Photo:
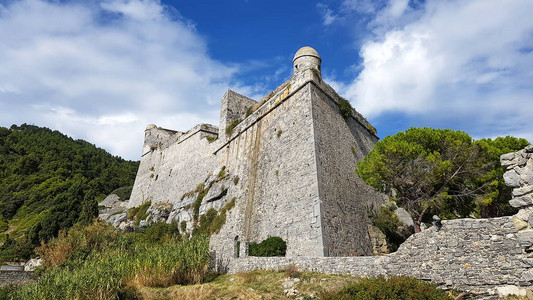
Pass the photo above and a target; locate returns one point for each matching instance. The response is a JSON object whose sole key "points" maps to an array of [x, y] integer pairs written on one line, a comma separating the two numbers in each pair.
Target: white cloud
{"points": [[463, 61], [103, 70], [328, 17]]}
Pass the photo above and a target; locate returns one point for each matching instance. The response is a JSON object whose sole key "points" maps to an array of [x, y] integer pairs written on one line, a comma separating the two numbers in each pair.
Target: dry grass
{"points": [[251, 285]]}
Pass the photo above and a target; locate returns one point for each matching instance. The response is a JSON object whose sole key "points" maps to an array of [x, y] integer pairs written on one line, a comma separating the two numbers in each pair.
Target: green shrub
{"points": [[222, 173], [272, 246], [161, 232], [183, 226], [279, 133], [123, 193], [3, 224], [395, 287], [236, 180], [387, 221], [345, 108], [202, 191], [211, 139], [231, 126]]}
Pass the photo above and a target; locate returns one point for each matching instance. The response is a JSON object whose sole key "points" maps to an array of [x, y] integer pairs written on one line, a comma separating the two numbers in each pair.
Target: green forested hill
{"points": [[49, 182]]}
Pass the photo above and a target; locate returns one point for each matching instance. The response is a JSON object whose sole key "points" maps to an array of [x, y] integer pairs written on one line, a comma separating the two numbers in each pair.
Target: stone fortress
{"points": [[284, 166]]}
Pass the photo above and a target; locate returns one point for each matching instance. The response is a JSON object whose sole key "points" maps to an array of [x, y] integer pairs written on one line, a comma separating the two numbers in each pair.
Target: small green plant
{"points": [[345, 108], [222, 173], [202, 191], [152, 168], [353, 150], [272, 246], [249, 111], [314, 70], [279, 133], [211, 139], [236, 180], [183, 226], [152, 175], [277, 172], [231, 126]]}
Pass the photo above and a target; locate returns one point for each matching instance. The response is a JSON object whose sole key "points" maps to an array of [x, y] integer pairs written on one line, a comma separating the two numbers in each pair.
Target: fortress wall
{"points": [[278, 181], [234, 106], [345, 198], [466, 254], [164, 175]]}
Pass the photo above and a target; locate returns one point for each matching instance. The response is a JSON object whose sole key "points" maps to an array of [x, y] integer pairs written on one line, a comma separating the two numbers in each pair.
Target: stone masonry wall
{"points": [[234, 106], [482, 255], [15, 277], [345, 198], [466, 254]]}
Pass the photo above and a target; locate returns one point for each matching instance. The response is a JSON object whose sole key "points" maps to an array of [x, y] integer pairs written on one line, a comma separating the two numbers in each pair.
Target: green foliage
{"points": [[345, 108], [272, 246], [387, 221], [202, 191], [139, 213], [249, 111], [394, 288], [211, 139], [123, 193], [161, 232], [49, 182], [183, 226], [212, 221], [439, 171], [236, 180], [122, 263], [3, 224], [279, 133], [231, 126], [222, 173]]}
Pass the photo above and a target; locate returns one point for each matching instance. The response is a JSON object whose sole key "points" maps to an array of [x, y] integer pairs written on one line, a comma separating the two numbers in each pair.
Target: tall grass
{"points": [[127, 265]]}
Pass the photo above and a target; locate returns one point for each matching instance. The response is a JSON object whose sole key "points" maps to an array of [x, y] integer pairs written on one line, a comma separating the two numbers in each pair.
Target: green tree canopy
{"points": [[440, 171]]}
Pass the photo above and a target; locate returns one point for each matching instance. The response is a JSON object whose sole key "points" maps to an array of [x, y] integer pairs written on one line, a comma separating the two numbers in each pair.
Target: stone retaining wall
{"points": [[15, 277]]}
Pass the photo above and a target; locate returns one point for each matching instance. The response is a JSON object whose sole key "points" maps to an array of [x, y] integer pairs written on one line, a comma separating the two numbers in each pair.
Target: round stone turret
{"points": [[151, 126], [306, 58]]}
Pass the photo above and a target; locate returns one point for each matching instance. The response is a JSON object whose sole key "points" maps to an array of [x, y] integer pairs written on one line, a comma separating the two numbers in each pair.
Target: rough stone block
{"points": [[511, 178], [522, 191], [519, 224], [522, 201]]}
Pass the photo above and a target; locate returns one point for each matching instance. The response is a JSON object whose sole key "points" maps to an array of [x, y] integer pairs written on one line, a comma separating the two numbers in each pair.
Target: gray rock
{"points": [[529, 149], [530, 220], [522, 191], [110, 201], [522, 201], [404, 216], [32, 264], [511, 178]]}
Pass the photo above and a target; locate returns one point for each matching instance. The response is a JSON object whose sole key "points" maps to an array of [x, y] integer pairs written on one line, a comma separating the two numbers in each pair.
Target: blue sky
{"points": [[103, 70]]}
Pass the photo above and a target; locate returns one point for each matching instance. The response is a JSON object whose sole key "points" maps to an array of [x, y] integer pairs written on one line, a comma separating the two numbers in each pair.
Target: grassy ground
{"points": [[252, 285]]}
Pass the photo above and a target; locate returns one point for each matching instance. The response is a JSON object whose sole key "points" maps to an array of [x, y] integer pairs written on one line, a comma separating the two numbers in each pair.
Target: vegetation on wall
{"points": [[387, 222], [441, 171], [272, 246], [231, 126], [49, 182], [345, 108]]}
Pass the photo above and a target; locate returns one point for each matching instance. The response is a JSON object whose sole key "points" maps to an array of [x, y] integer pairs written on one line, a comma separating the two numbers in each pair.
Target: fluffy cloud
{"points": [[103, 70], [466, 62]]}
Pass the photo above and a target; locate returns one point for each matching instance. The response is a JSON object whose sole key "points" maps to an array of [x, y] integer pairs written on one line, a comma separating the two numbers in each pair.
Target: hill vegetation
{"points": [[48, 183]]}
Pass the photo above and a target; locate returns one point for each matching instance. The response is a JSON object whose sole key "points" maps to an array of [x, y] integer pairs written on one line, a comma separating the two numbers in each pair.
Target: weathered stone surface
{"points": [[529, 149], [511, 178], [33, 263], [404, 216], [522, 201], [519, 224], [523, 190]]}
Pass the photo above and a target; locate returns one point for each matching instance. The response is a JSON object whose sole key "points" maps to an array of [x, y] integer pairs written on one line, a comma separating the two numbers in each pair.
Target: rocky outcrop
{"points": [[519, 176]]}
